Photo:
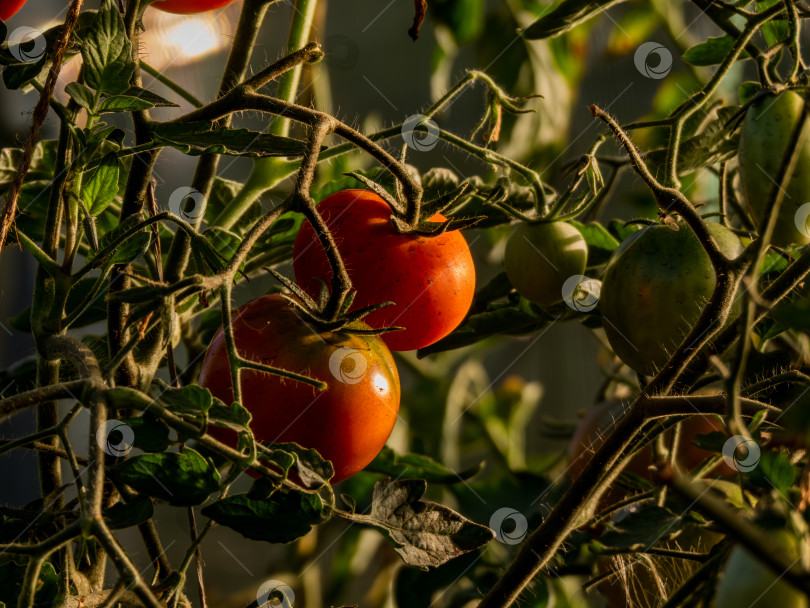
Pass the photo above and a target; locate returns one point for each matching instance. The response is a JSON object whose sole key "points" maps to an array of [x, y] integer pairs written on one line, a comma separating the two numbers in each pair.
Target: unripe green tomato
{"points": [[748, 582], [654, 289], [539, 258], [764, 141]]}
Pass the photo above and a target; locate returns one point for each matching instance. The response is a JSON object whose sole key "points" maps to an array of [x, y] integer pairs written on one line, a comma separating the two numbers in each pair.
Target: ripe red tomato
{"points": [[431, 280], [9, 7], [347, 423], [187, 7]]}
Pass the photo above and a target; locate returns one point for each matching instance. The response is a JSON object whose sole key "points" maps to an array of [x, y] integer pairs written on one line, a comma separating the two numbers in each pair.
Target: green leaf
{"points": [[149, 433], [601, 244], [128, 251], [416, 466], [281, 518], [182, 480], [83, 95], [102, 186], [565, 16], [127, 514], [12, 575], [711, 52], [423, 533], [146, 95], [195, 138], [313, 470], [124, 103], [233, 416], [747, 90], [507, 319], [640, 529], [107, 52], [18, 75], [794, 314], [191, 398], [773, 471]]}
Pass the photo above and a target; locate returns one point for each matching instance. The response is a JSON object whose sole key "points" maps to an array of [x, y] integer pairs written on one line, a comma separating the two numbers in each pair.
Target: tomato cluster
{"points": [[431, 281]]}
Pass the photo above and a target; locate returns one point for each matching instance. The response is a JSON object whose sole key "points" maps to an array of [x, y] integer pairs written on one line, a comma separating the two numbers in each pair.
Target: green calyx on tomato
{"points": [[654, 289], [188, 7], [348, 423], [540, 258], [764, 140], [429, 279]]}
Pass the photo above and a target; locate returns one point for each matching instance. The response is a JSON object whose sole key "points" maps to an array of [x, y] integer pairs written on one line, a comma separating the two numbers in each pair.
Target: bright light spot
{"points": [[380, 383], [192, 37]]}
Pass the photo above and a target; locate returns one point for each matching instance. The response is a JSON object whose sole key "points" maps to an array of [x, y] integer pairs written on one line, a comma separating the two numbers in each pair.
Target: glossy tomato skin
{"points": [[9, 7], [539, 258], [188, 7], [764, 140], [348, 423], [431, 280], [746, 581], [654, 289]]}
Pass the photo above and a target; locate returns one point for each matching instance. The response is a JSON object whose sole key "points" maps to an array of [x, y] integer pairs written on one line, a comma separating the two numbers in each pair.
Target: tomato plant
{"points": [[540, 258], [654, 290], [187, 7], [349, 424], [193, 357], [9, 8], [429, 279]]}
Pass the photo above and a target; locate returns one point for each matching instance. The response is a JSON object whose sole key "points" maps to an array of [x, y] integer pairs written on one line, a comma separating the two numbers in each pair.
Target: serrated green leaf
{"points": [[147, 95], [312, 468], [197, 138], [642, 528], [107, 52], [281, 518], [711, 51], [565, 15], [123, 103], [131, 249], [601, 244], [127, 514], [183, 480], [149, 433], [100, 189], [18, 75], [773, 471], [81, 94]]}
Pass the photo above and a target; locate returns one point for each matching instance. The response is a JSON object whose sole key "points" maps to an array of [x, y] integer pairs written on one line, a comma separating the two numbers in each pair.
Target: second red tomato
{"points": [[431, 280], [9, 8], [188, 7]]}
